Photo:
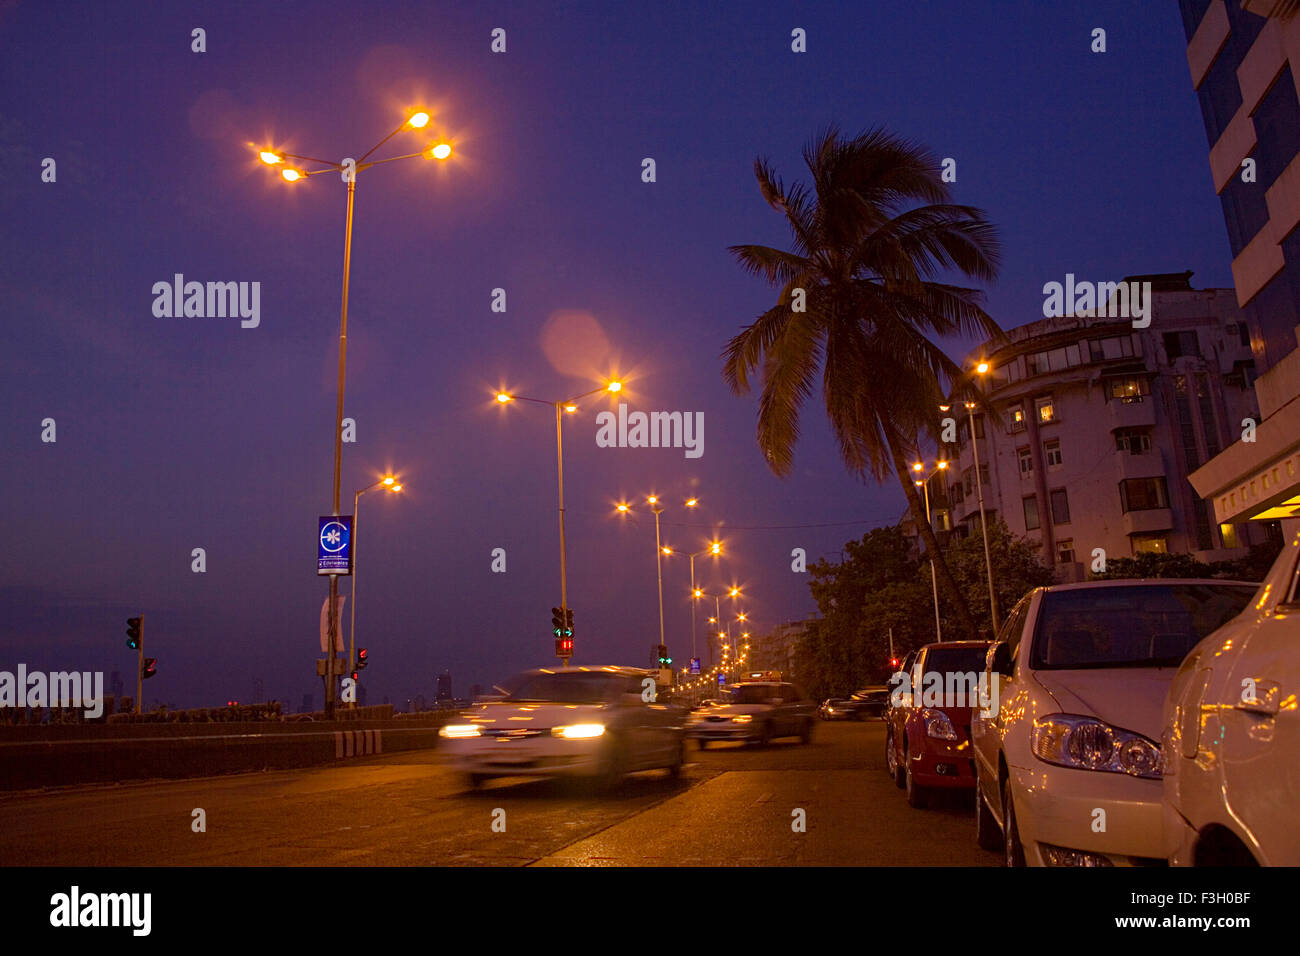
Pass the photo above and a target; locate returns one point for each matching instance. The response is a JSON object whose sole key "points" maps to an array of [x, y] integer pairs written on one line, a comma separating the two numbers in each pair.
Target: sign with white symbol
{"points": [[334, 545], [722, 679], [695, 665]]}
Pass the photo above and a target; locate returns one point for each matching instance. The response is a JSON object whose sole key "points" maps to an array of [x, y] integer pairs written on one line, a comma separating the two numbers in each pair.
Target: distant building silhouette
{"points": [[306, 704], [444, 687], [115, 684]]}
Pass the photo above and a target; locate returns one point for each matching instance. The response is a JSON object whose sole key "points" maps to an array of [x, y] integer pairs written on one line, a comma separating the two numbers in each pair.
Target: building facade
{"points": [[1244, 58], [1097, 425]]}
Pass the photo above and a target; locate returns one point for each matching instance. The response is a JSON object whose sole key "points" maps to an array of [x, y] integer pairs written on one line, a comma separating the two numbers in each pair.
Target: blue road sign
{"points": [[334, 545], [695, 665], [722, 679]]}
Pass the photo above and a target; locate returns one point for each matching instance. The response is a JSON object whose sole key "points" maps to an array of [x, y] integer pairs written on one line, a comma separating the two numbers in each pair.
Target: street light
{"points": [[657, 507], [273, 158], [389, 483], [981, 368], [923, 482], [715, 549], [562, 406]]}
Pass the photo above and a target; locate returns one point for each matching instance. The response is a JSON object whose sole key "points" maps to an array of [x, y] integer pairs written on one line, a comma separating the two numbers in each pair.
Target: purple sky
{"points": [[177, 433]]}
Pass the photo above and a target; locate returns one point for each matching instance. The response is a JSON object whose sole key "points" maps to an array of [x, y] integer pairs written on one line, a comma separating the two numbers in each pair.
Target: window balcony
{"points": [[1149, 464], [1132, 414], [1148, 520]]}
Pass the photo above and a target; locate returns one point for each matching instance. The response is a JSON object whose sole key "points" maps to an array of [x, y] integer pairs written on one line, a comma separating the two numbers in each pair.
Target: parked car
{"points": [[1232, 735], [575, 721], [870, 702], [755, 712], [1068, 767], [927, 736]]}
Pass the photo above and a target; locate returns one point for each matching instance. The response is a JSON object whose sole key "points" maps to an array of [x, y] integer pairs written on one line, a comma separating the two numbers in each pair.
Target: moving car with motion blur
{"points": [[837, 708], [1068, 766], [595, 722], [927, 736], [1232, 735], [755, 712]]}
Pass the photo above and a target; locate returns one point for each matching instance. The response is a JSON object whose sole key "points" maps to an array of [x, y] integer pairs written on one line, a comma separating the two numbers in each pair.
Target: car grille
{"points": [[514, 733]]}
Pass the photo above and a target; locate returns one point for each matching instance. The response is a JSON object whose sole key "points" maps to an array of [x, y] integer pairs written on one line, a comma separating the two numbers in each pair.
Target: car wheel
{"points": [[765, 735], [613, 766], [1014, 850], [704, 744], [806, 734], [679, 761], [918, 798], [475, 781], [891, 760], [987, 834]]}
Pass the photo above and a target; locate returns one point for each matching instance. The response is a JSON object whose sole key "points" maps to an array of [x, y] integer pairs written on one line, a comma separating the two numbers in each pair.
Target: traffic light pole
{"points": [[564, 571], [139, 668]]}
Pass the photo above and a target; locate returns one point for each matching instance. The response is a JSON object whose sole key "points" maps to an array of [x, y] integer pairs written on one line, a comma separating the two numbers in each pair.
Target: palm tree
{"points": [[858, 305]]}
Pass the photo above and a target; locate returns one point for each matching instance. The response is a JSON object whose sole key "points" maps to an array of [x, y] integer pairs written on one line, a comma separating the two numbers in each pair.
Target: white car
{"points": [[600, 722], [1068, 764], [1232, 744]]}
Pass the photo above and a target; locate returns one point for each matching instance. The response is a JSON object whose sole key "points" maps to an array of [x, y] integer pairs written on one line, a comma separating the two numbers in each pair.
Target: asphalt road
{"points": [[733, 806]]}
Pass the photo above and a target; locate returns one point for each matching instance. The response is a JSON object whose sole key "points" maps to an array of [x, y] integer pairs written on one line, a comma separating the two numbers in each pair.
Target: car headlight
{"points": [[938, 725], [578, 731], [742, 719], [460, 730], [1086, 743]]}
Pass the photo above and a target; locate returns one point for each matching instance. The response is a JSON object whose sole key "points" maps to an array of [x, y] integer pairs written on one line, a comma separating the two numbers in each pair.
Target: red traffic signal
{"points": [[893, 662], [363, 658], [149, 668], [564, 647]]}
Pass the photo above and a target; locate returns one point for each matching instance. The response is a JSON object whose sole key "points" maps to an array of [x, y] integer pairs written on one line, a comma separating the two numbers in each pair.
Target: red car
{"points": [[927, 737]]}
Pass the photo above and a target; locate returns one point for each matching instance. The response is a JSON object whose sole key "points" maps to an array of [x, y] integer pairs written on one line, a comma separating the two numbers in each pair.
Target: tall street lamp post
{"points": [[657, 507], [568, 405], [348, 169], [391, 484], [715, 549], [923, 483]]}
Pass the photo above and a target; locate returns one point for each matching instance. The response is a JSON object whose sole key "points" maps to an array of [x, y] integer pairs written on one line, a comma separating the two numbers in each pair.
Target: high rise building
{"points": [[1244, 57], [1098, 424], [444, 687]]}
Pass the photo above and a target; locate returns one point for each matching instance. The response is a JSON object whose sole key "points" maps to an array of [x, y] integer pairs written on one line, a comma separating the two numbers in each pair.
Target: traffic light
{"points": [[564, 647], [149, 668], [664, 659], [557, 621], [362, 659], [893, 662], [133, 633], [568, 622]]}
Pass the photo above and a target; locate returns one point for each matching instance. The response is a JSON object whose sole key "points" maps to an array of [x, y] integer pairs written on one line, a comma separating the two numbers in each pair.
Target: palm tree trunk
{"points": [[947, 583]]}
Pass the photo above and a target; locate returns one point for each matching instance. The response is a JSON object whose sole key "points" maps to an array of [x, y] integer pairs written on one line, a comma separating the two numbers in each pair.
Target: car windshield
{"points": [[573, 687], [1145, 625], [955, 660], [753, 693]]}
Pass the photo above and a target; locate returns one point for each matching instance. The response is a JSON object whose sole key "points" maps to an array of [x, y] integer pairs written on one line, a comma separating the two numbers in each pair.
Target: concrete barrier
{"points": [[52, 756]]}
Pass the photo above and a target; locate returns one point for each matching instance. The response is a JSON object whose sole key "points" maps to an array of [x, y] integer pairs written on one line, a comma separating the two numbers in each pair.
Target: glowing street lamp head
{"points": [[700, 593], [692, 502], [397, 488], [943, 465], [917, 466], [944, 408], [269, 157], [502, 397], [918, 483], [441, 151], [970, 406], [570, 408], [653, 499], [667, 550], [983, 368], [389, 480], [614, 387], [290, 175], [715, 548], [622, 506], [418, 120], [735, 592]]}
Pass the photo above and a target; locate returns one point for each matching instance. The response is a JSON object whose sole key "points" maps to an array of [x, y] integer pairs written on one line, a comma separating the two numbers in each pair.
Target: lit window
{"points": [[1128, 390], [1016, 418], [1150, 544], [1046, 410], [1228, 532], [1065, 551]]}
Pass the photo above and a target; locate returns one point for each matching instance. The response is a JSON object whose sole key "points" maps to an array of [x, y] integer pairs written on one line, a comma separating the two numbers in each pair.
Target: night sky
{"points": [[181, 433]]}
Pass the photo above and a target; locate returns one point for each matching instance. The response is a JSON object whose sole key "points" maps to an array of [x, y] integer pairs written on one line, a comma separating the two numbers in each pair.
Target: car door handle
{"points": [[1266, 702]]}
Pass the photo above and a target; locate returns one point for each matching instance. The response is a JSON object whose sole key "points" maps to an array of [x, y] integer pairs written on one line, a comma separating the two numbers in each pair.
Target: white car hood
{"points": [[507, 715], [735, 710], [1130, 698]]}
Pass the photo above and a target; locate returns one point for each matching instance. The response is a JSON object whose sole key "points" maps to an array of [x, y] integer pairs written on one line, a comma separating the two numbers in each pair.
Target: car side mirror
{"points": [[1000, 661]]}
